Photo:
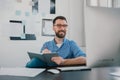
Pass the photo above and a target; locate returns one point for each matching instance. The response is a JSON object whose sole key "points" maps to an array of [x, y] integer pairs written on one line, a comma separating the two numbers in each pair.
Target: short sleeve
{"points": [[76, 50], [43, 47]]}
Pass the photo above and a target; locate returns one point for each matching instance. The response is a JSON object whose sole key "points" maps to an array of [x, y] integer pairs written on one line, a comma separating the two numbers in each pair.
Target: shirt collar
{"points": [[53, 41]]}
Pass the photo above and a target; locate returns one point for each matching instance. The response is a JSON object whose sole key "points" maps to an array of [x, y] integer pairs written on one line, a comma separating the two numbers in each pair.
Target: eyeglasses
{"points": [[59, 25]]}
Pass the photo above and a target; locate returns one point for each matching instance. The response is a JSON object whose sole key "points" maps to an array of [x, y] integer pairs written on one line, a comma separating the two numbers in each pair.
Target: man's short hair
{"points": [[59, 17]]}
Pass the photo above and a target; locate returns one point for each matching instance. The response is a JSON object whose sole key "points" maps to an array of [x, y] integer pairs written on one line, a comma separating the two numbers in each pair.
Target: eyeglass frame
{"points": [[59, 25]]}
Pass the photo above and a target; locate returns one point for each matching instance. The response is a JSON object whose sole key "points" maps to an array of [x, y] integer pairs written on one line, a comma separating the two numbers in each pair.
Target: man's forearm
{"points": [[75, 61]]}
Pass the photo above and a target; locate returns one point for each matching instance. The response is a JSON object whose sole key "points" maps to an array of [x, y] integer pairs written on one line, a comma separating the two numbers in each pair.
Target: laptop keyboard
{"points": [[82, 68]]}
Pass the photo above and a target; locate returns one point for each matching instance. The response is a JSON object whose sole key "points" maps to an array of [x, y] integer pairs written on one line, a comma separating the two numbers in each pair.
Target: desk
{"points": [[94, 74]]}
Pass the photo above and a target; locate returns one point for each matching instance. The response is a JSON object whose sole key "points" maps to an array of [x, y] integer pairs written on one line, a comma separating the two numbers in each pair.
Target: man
{"points": [[68, 51]]}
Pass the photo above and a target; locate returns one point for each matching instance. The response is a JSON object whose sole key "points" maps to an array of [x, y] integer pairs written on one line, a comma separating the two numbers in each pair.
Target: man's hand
{"points": [[58, 60], [45, 51]]}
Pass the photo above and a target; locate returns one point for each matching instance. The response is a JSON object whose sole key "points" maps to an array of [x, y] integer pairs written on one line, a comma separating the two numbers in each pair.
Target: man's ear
{"points": [[53, 28]]}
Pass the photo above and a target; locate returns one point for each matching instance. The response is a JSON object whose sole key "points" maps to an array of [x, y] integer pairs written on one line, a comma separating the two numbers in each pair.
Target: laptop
{"points": [[98, 57]]}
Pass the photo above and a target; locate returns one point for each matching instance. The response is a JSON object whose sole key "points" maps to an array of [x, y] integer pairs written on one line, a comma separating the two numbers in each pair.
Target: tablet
{"points": [[44, 57]]}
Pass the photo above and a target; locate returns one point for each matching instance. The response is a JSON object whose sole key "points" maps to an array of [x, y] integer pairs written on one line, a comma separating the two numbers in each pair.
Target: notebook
{"points": [[44, 57]]}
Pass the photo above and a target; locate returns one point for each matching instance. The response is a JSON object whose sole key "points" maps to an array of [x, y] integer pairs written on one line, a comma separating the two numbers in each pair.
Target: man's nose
{"points": [[62, 28]]}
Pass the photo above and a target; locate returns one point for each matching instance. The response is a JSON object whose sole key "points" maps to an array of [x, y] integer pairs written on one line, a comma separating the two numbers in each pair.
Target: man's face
{"points": [[60, 28]]}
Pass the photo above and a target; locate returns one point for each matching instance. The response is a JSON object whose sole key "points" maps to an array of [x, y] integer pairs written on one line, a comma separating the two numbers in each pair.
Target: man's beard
{"points": [[60, 35]]}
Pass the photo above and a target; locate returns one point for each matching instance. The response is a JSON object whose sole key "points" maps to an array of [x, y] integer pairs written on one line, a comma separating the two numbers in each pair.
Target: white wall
{"points": [[102, 27], [77, 22], [14, 53]]}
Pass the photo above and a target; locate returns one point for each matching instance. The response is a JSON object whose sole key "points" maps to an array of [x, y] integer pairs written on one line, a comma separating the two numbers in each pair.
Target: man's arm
{"points": [[73, 61]]}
